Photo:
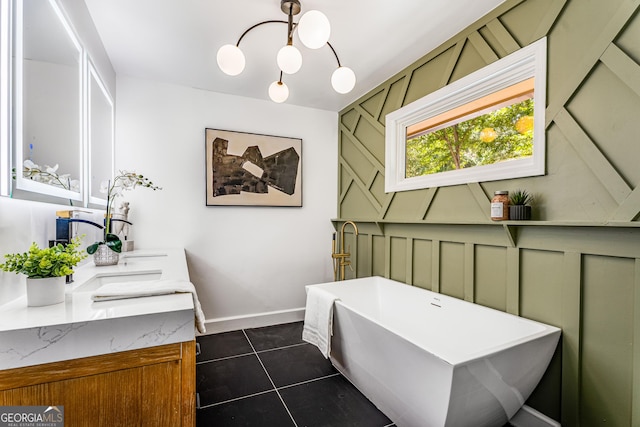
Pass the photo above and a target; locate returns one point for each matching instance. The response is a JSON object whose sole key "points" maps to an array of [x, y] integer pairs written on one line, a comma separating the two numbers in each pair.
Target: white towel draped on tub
{"points": [[124, 290], [318, 319]]}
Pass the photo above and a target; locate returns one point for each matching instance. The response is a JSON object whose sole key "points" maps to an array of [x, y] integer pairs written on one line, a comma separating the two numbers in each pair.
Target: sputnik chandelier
{"points": [[313, 30]]}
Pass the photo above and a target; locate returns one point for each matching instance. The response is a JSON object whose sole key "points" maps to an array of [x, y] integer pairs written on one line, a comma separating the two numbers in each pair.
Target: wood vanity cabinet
{"points": [[152, 387]]}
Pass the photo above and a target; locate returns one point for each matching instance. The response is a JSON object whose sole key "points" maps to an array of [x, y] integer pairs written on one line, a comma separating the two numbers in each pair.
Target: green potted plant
{"points": [[46, 270], [106, 251], [519, 205]]}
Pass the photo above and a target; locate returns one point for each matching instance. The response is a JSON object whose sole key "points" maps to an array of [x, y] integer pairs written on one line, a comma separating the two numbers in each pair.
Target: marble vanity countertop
{"points": [[80, 327]]}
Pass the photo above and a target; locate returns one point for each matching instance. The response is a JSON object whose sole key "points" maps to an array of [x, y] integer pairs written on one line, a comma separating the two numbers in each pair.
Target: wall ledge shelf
{"points": [[510, 227], [533, 223]]}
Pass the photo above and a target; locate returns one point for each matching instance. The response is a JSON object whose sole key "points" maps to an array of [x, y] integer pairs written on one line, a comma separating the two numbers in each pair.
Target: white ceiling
{"points": [[176, 41]]}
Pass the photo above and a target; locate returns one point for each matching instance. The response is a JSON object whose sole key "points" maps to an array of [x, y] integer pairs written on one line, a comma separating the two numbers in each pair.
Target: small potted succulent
{"points": [[46, 270], [519, 205]]}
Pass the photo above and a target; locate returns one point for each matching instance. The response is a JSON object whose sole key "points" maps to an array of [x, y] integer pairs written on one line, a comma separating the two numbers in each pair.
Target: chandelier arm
{"points": [[257, 25], [290, 27], [334, 54]]}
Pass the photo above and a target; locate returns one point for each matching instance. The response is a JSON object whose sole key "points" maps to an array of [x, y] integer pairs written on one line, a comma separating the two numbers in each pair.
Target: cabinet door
{"points": [[150, 387]]}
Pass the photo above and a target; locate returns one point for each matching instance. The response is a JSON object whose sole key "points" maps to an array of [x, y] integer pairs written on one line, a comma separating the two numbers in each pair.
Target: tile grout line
{"points": [[282, 348], [270, 380], [308, 381], [276, 389], [235, 399], [252, 352], [224, 358]]}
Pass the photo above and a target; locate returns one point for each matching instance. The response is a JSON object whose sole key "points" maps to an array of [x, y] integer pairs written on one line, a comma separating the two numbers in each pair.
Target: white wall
{"points": [[78, 14], [245, 262], [23, 222]]}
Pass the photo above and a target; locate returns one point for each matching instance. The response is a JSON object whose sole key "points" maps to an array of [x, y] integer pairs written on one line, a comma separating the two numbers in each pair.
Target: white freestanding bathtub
{"points": [[428, 360]]}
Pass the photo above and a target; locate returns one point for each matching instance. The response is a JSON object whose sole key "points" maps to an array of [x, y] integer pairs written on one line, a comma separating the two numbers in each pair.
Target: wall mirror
{"points": [[101, 142], [47, 103], [486, 126]]}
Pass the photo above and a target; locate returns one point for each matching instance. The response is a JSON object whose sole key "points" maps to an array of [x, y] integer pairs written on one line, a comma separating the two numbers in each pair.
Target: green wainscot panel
{"points": [[452, 269], [363, 264], [491, 276], [398, 263], [541, 281], [607, 337], [422, 263], [378, 256]]}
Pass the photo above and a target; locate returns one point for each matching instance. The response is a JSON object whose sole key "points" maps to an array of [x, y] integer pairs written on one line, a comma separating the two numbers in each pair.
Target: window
{"points": [[486, 126]]}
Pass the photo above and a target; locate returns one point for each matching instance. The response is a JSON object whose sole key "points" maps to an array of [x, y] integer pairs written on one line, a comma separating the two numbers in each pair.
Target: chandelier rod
{"points": [[257, 25], [290, 27], [274, 21], [334, 54]]}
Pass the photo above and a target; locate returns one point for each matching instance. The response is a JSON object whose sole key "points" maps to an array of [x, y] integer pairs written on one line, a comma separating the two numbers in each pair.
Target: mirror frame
{"points": [[22, 183], [5, 97], [11, 133], [530, 61], [94, 76]]}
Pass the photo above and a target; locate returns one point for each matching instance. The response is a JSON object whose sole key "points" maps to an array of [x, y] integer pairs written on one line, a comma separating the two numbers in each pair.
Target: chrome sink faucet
{"points": [[64, 231], [64, 228]]}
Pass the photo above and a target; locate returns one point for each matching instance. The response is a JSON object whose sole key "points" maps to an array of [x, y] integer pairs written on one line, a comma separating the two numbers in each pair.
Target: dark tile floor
{"points": [[269, 377]]}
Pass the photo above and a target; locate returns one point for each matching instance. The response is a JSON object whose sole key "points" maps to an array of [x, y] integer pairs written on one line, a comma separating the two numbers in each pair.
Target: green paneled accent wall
{"points": [[577, 264]]}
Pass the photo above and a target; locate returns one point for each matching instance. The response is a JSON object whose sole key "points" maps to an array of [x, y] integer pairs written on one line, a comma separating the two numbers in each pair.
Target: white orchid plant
{"points": [[124, 181]]}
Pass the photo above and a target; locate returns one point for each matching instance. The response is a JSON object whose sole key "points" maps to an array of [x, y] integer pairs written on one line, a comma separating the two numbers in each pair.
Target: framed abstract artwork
{"points": [[246, 169]]}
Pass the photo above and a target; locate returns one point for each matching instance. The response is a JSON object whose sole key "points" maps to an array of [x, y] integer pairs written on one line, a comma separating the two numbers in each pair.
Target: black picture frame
{"points": [[248, 169]]}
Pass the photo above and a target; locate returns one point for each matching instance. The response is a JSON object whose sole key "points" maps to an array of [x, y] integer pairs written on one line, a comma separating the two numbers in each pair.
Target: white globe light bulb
{"points": [[343, 80], [230, 59], [289, 59], [314, 29], [278, 92]]}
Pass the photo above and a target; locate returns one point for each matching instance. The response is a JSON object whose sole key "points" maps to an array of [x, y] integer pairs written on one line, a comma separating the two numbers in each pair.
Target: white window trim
{"points": [[530, 61]]}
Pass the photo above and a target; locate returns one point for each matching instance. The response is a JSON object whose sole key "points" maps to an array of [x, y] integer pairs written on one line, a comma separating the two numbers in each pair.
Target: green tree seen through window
{"points": [[503, 134]]}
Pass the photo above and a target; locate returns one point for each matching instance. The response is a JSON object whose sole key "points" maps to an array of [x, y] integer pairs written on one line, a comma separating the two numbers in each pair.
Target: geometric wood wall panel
{"points": [[585, 280], [593, 100]]}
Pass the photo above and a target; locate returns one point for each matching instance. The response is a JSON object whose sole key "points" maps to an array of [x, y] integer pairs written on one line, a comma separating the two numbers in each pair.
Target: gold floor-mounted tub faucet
{"points": [[341, 259]]}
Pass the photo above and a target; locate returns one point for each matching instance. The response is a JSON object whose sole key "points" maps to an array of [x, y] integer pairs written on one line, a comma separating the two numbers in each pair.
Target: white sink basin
{"points": [[142, 257], [102, 279], [129, 259]]}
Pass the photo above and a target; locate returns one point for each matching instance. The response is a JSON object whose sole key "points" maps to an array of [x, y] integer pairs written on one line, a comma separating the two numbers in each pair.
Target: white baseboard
{"points": [[255, 320], [529, 417]]}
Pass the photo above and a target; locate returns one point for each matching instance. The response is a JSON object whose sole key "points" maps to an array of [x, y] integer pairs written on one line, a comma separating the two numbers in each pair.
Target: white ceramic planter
{"points": [[47, 291], [105, 256]]}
